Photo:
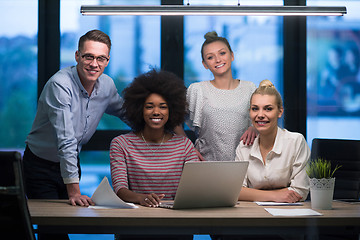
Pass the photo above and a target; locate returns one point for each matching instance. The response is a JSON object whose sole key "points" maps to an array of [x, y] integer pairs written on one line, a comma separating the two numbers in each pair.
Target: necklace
{"points": [[153, 151]]}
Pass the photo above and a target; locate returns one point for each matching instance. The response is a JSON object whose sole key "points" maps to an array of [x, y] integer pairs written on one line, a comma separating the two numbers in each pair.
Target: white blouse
{"points": [[219, 118], [285, 164]]}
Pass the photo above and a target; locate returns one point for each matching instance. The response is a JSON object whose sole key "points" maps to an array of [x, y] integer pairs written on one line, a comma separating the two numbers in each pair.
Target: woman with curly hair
{"points": [[146, 164]]}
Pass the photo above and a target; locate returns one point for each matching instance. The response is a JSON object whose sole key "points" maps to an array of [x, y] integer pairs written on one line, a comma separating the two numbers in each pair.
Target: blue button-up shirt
{"points": [[67, 117]]}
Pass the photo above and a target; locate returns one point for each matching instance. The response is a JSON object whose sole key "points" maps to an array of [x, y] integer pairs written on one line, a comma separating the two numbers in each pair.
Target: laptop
{"points": [[209, 184]]}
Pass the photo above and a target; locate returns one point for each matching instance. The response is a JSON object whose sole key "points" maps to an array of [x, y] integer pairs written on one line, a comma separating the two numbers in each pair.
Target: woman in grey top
{"points": [[218, 109]]}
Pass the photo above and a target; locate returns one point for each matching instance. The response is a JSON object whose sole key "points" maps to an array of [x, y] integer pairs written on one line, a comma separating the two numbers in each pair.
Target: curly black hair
{"points": [[164, 83]]}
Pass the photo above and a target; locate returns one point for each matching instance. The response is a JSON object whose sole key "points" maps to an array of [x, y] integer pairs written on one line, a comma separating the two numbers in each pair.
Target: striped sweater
{"points": [[149, 167]]}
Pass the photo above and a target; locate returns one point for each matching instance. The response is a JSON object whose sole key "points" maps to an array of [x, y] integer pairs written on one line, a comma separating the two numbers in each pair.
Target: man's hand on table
{"points": [[75, 197]]}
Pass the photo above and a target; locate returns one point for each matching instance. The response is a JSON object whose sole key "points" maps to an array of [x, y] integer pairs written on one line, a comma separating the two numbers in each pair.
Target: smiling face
{"points": [[264, 113], [217, 57], [156, 112], [90, 71]]}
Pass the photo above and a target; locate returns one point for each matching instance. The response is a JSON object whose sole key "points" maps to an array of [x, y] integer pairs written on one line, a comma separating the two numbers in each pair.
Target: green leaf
{"points": [[320, 168]]}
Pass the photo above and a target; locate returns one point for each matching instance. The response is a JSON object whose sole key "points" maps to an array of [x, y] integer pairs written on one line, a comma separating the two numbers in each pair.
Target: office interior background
{"points": [[313, 61]]}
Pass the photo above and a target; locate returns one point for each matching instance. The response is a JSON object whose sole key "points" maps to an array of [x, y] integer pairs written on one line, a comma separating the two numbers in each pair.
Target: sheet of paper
{"points": [[292, 212], [278, 204], [105, 197]]}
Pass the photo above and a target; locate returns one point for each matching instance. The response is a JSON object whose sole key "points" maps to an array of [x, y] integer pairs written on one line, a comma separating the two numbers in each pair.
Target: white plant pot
{"points": [[321, 193]]}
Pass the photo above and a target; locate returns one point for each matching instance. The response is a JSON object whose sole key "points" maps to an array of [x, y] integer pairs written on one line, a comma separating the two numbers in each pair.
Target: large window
{"points": [[18, 71], [333, 46], [333, 80]]}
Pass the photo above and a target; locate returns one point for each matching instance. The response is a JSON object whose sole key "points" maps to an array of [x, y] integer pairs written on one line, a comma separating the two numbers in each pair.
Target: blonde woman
{"points": [[278, 158]]}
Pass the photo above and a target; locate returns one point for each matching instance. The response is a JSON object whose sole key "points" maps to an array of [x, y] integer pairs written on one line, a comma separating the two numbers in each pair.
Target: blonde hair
{"points": [[266, 87]]}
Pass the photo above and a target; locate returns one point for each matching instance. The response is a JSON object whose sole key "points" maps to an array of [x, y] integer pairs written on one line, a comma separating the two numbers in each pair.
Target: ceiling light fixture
{"points": [[185, 10]]}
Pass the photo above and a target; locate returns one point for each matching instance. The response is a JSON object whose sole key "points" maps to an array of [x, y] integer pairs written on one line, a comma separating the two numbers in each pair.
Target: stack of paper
{"points": [[278, 204], [292, 212]]}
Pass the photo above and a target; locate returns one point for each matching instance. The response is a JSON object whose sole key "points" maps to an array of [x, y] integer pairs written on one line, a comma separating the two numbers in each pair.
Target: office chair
{"points": [[347, 154], [15, 219]]}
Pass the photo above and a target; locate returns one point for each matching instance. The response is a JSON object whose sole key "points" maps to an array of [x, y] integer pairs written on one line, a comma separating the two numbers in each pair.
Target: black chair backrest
{"points": [[347, 154], [15, 219]]}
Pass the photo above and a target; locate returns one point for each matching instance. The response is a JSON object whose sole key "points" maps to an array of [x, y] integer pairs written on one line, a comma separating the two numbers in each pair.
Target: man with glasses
{"points": [[69, 110]]}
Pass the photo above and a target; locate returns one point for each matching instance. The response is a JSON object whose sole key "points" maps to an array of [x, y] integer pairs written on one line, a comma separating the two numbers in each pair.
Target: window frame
{"points": [[172, 59]]}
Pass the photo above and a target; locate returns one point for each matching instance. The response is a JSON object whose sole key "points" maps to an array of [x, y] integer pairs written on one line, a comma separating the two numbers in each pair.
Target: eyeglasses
{"points": [[88, 58]]}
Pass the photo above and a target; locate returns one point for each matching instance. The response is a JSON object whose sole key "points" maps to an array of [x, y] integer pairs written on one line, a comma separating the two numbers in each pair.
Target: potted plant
{"points": [[322, 183]]}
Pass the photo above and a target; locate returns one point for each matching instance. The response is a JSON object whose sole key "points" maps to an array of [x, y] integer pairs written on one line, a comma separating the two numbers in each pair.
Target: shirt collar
{"points": [[255, 150], [78, 82], [279, 142]]}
